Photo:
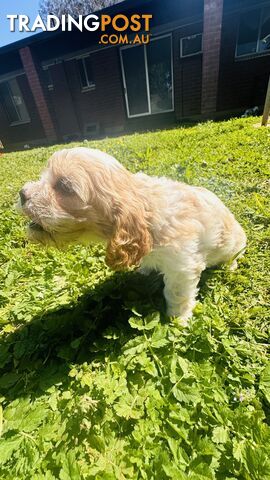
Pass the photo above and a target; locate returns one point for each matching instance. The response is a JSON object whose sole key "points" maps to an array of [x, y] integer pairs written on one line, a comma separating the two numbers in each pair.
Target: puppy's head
{"points": [[85, 195]]}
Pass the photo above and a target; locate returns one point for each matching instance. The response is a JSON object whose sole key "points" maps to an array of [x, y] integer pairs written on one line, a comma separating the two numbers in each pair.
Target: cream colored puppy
{"points": [[85, 195]]}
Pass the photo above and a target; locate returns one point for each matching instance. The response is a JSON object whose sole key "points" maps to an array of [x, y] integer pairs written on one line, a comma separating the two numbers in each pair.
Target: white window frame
{"points": [[257, 53], [26, 118], [188, 38], [147, 79], [90, 86]]}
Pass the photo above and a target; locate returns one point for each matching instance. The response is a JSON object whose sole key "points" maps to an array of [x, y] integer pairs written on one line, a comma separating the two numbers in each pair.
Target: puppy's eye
{"points": [[64, 186]]}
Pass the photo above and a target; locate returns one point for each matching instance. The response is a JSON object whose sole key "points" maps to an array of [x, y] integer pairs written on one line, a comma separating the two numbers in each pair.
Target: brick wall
{"points": [[242, 82], [25, 133], [61, 101], [187, 75], [104, 105], [211, 52], [38, 94]]}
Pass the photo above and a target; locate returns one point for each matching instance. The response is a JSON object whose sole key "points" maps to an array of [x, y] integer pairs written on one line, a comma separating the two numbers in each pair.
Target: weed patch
{"points": [[95, 382]]}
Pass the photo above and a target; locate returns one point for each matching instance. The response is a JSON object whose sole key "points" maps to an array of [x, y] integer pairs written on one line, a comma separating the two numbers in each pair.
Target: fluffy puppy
{"points": [[86, 195]]}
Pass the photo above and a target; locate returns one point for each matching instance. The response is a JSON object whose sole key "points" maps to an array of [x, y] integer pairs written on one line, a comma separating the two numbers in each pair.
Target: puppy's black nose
{"points": [[23, 196]]}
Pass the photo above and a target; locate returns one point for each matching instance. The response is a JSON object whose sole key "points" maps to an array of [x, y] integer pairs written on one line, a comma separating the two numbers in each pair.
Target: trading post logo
{"points": [[117, 29], [121, 23]]}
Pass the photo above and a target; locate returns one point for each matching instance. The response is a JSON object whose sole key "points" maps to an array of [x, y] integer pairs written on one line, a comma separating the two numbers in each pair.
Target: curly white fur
{"points": [[157, 223]]}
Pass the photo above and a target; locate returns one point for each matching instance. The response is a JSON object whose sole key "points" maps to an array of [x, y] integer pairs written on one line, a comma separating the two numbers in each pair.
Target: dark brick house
{"points": [[206, 58]]}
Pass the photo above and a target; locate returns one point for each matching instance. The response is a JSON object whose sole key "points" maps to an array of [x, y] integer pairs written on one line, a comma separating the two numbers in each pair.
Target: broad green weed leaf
{"points": [[8, 447], [257, 462], [70, 469], [172, 471], [135, 346], [265, 382], [8, 380], [220, 435], [238, 450], [147, 323], [158, 339], [129, 407], [34, 418]]}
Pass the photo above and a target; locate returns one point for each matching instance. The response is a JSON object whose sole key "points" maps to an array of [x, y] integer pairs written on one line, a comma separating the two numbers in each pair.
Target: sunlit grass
{"points": [[95, 381]]}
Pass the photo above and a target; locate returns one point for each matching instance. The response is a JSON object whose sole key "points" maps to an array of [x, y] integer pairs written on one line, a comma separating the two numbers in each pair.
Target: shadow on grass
{"points": [[150, 125], [39, 354]]}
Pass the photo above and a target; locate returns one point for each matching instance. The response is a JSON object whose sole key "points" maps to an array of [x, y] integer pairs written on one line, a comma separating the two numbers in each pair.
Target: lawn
{"points": [[96, 382]]}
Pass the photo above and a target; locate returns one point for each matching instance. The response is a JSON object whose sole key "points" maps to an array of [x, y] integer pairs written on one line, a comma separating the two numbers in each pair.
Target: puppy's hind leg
{"points": [[180, 293], [144, 270], [237, 246]]}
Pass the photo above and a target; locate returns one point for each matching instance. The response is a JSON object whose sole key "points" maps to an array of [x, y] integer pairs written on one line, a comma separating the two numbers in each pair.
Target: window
{"points": [[147, 77], [254, 32], [12, 100], [264, 38], [86, 73], [48, 77], [191, 45]]}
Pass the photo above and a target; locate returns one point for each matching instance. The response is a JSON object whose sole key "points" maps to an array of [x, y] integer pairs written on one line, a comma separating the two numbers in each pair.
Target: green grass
{"points": [[96, 383]]}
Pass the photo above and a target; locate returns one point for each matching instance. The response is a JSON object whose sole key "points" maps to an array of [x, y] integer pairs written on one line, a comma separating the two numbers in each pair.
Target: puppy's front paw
{"points": [[233, 266], [182, 315]]}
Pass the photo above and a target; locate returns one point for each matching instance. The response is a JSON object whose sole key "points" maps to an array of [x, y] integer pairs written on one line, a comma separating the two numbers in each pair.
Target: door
{"points": [[135, 81], [148, 77]]}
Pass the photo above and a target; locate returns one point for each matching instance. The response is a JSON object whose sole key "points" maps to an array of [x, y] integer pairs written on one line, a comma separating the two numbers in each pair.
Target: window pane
{"points": [[89, 70], [7, 101], [191, 45], [48, 77], [265, 31], [248, 33], [18, 101], [160, 74], [135, 76], [82, 74]]}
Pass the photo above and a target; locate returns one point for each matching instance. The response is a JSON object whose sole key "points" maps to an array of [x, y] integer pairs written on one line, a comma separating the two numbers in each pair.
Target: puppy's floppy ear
{"points": [[130, 242]]}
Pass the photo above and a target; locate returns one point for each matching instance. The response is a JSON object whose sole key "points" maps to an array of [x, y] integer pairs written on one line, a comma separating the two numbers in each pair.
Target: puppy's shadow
{"points": [[39, 353]]}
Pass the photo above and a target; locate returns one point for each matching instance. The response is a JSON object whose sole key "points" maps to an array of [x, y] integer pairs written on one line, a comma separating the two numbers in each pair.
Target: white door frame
{"points": [[147, 78]]}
